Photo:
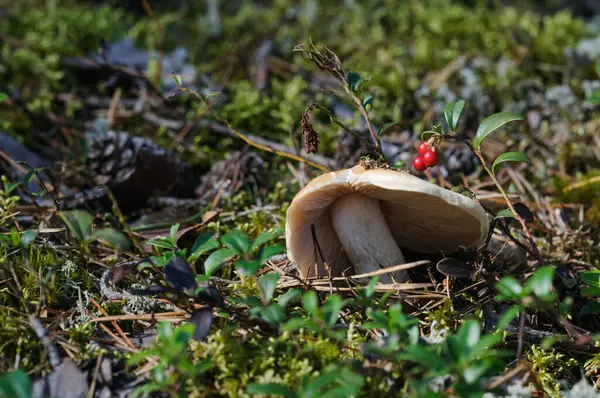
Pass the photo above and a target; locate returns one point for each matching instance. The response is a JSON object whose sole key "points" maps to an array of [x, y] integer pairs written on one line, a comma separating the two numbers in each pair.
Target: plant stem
{"points": [[478, 153], [365, 114], [348, 129], [535, 251]]}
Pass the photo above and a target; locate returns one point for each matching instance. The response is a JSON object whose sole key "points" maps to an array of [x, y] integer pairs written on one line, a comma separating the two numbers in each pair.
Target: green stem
{"points": [[478, 153], [365, 114]]}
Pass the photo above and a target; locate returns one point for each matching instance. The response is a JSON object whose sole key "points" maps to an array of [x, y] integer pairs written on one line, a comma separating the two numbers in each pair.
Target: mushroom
{"points": [[360, 218]]}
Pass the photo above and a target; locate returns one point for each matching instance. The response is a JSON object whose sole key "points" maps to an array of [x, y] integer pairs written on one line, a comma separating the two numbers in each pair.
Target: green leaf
{"points": [[237, 241], [452, 113], [455, 347], [270, 389], [370, 289], [265, 237], [587, 291], [268, 283], [202, 244], [368, 101], [113, 238], [509, 287], [161, 242], [27, 237], [247, 267], [332, 307], [216, 259], [470, 332], [507, 317], [356, 81], [591, 307], [79, 223], [506, 213], [591, 278], [267, 252], [594, 98], [177, 79], [540, 283], [173, 233], [425, 135], [475, 371], [3, 96], [310, 302], [15, 384], [288, 297], [515, 156], [491, 124], [273, 314]]}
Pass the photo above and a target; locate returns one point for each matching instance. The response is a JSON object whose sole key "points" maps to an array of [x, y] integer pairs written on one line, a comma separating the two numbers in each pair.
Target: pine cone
{"points": [[134, 168]]}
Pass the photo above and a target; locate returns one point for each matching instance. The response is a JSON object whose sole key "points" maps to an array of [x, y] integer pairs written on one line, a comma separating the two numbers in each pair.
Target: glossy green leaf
{"points": [[356, 81], [79, 223], [470, 332], [27, 237], [425, 135], [506, 213], [15, 384], [247, 268], [160, 242], [332, 307], [273, 314], [475, 371], [112, 238], [3, 96], [452, 113], [173, 233], [515, 156], [177, 79], [540, 283], [370, 289], [455, 347], [274, 389], [266, 236], [288, 297], [237, 241], [310, 301], [368, 101], [591, 278], [509, 288], [491, 124], [588, 291], [507, 317], [216, 259], [594, 98], [202, 244], [267, 252], [268, 283], [591, 307]]}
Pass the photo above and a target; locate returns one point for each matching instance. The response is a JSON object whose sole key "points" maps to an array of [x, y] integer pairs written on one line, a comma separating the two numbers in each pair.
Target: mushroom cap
{"points": [[421, 216]]}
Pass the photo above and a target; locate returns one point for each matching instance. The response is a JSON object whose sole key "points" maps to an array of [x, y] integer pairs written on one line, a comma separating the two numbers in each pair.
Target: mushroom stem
{"points": [[363, 232]]}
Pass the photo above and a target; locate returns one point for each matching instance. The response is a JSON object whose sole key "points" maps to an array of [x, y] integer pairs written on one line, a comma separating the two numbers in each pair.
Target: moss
{"points": [[285, 359], [550, 366]]}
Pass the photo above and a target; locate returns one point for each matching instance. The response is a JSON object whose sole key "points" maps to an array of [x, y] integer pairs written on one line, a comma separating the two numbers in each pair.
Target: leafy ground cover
{"points": [[149, 154]]}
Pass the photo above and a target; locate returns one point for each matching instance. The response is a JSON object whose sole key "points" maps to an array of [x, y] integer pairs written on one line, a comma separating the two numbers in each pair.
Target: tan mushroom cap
{"points": [[420, 216]]}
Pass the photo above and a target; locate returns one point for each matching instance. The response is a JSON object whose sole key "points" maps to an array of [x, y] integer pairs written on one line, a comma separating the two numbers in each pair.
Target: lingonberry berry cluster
{"points": [[428, 157]]}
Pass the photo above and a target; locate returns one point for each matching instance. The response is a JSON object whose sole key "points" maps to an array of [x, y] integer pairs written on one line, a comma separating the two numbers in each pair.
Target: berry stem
{"points": [[536, 251]]}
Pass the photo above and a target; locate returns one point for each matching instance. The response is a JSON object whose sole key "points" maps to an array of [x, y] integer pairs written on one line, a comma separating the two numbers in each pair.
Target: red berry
{"points": [[419, 164], [423, 148], [431, 158]]}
